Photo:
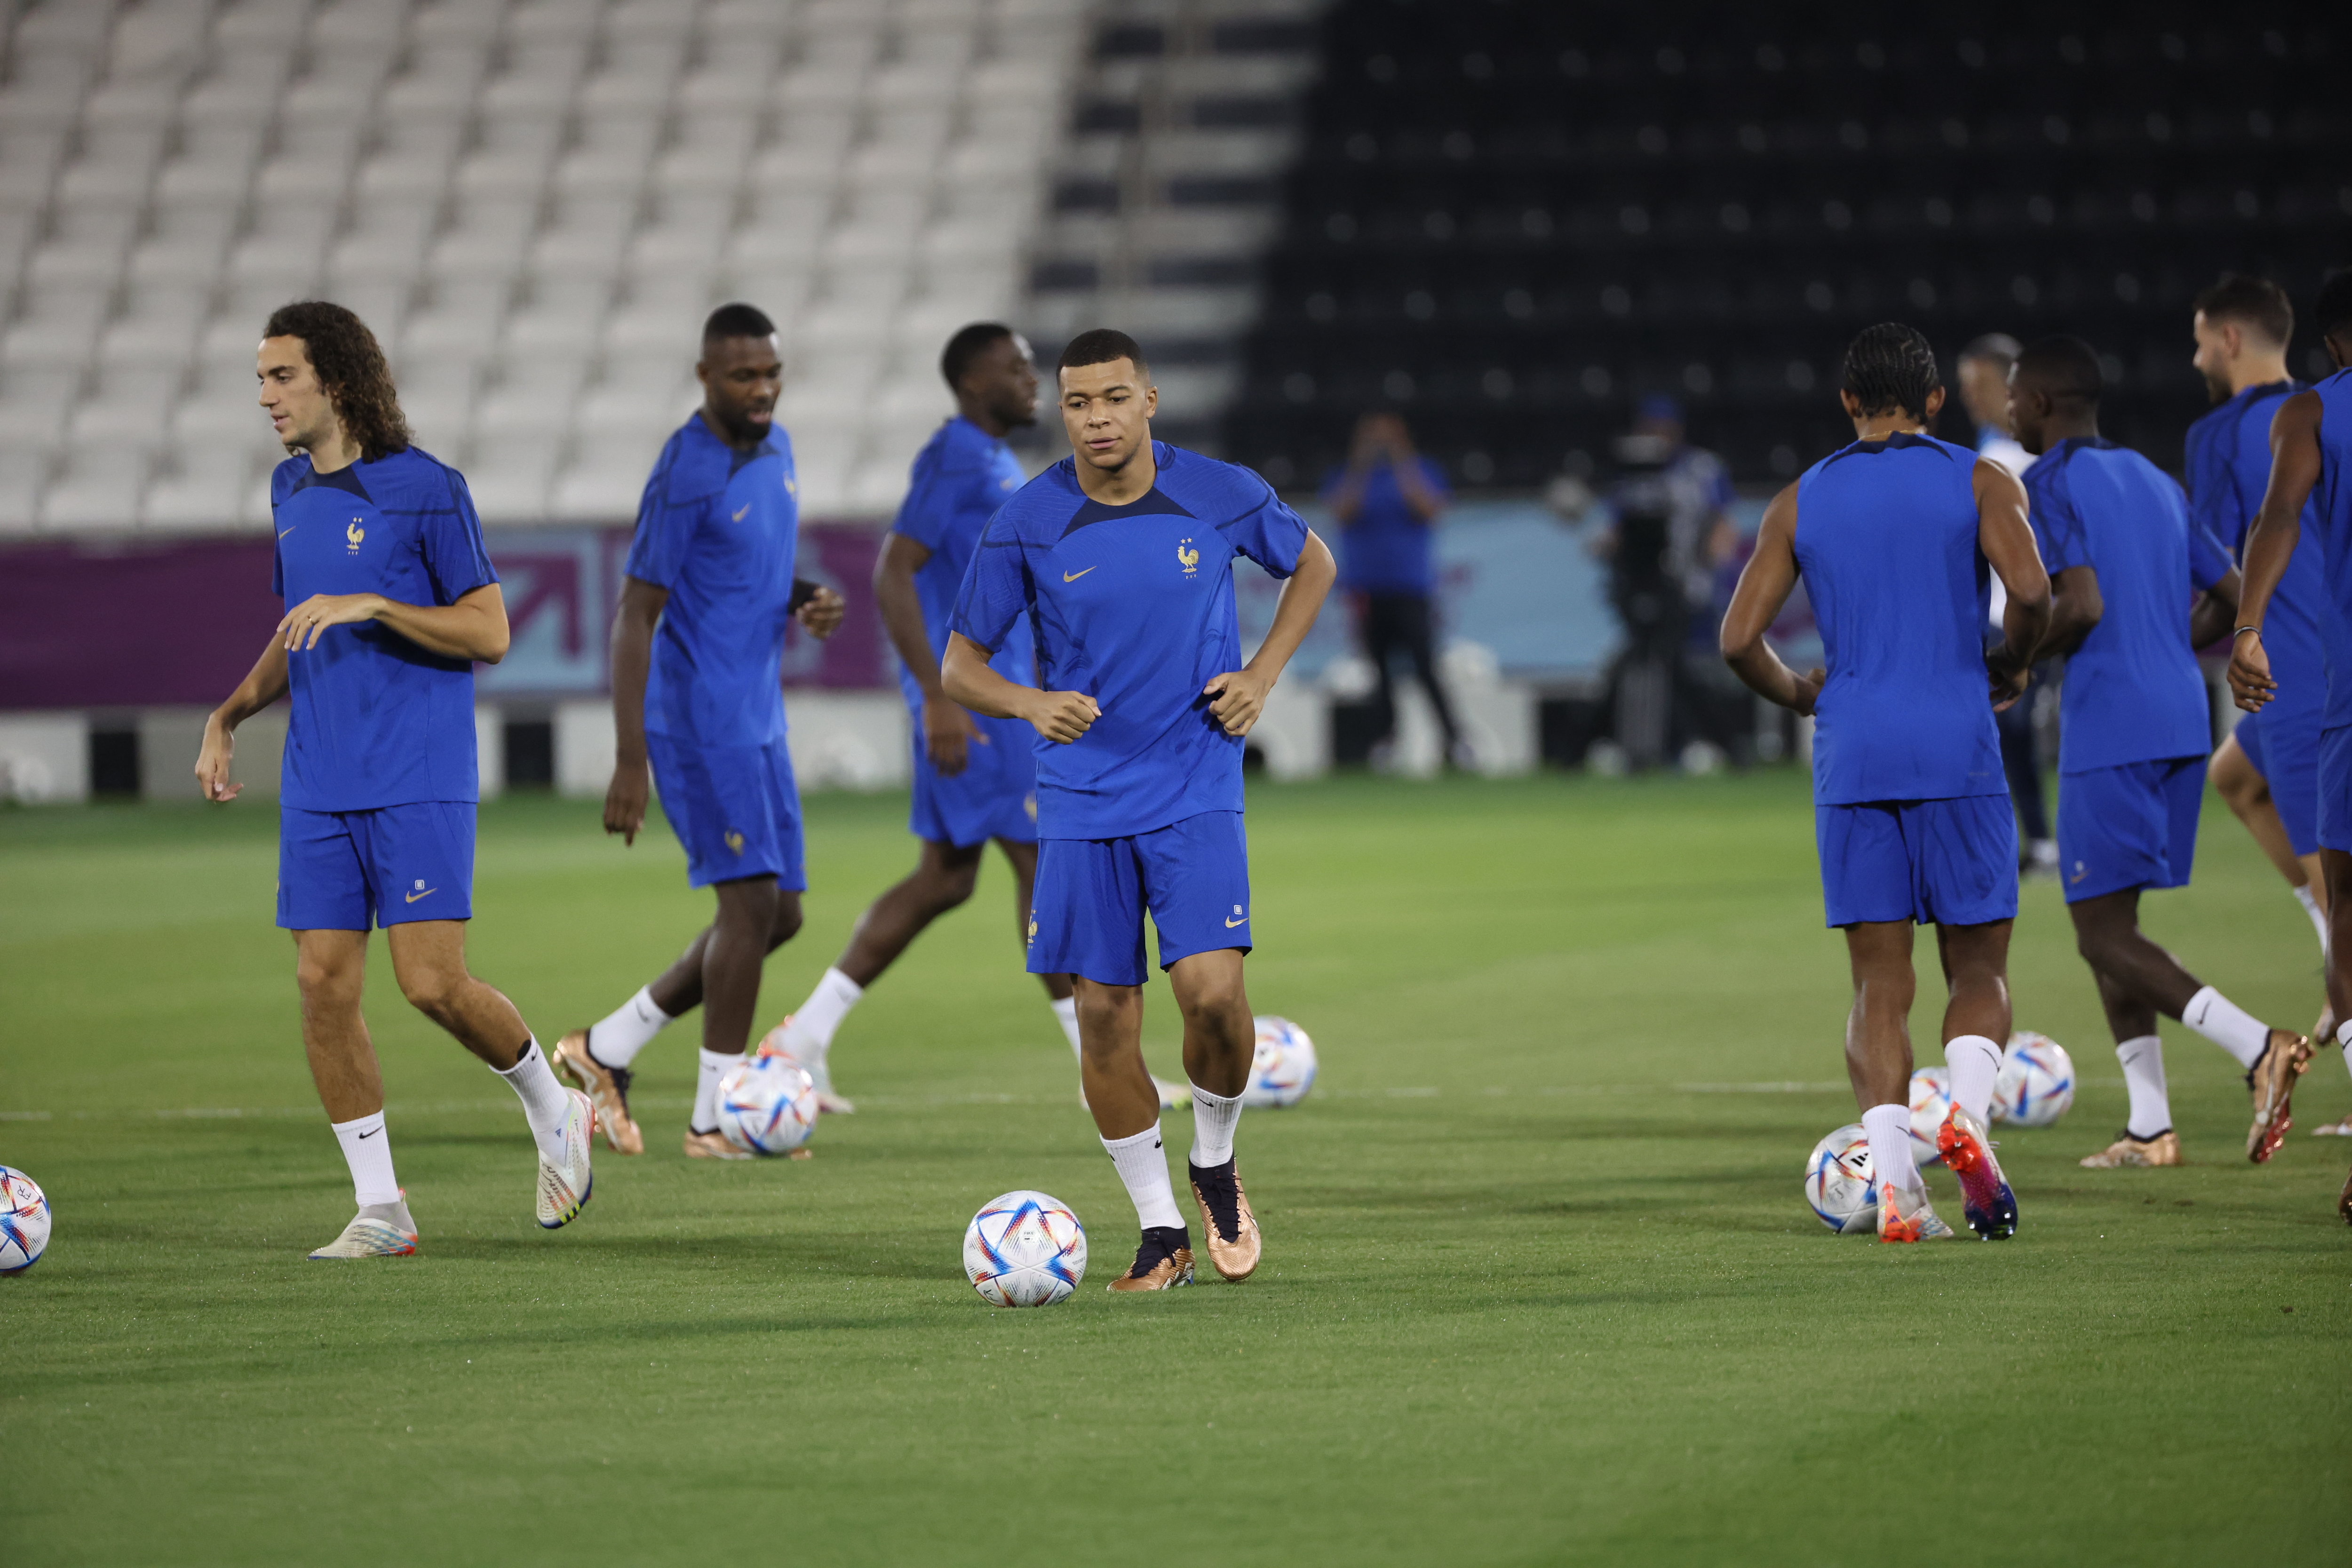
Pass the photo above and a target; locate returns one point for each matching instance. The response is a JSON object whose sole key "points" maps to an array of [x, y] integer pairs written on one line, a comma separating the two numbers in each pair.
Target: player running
{"points": [[697, 692], [1892, 535], [2311, 462], [2126, 563], [389, 599], [1122, 555], [975, 779]]}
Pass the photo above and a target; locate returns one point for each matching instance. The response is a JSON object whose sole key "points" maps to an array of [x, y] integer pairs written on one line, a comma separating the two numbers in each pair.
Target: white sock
{"points": [[705, 1091], [1143, 1167], [1065, 1013], [2227, 1025], [1974, 1063], [544, 1104], [2151, 1107], [1888, 1128], [616, 1040], [2310, 902], [809, 1036], [1215, 1116], [367, 1150]]}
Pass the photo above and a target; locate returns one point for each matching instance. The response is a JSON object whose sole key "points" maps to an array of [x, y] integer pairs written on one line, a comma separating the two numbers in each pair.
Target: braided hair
{"points": [[350, 368], [1890, 369]]}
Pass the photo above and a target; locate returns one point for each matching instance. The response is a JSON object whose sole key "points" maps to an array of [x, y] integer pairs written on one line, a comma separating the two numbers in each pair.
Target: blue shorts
{"points": [[735, 808], [2335, 788], [1087, 915], [2284, 749], [1937, 862], [2129, 827], [996, 797], [342, 870]]}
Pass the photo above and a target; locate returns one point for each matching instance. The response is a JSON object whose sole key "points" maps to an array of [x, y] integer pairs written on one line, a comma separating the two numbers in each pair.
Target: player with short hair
{"points": [[1122, 556], [2311, 462], [389, 599], [2126, 561], [975, 778], [698, 696], [1892, 536]]}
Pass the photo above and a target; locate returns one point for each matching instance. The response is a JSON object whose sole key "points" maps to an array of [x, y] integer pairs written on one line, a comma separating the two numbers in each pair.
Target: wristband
{"points": [[2242, 631]]}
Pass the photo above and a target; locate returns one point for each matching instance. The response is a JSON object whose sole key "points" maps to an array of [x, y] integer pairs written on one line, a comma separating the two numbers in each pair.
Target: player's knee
{"points": [[785, 925], [433, 991], [324, 982], [1214, 1004], [951, 887]]}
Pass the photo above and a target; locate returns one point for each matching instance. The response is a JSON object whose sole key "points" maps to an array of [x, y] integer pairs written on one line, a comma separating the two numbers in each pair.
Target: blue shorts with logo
{"points": [[996, 797], [2128, 826], [2335, 788], [344, 870], [735, 808], [1936, 862], [2284, 749], [1086, 917]]}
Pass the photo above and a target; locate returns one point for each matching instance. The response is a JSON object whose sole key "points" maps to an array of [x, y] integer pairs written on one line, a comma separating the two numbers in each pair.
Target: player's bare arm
{"points": [[2076, 610], [2270, 543], [947, 728], [964, 674], [2216, 610], [1765, 585], [2006, 537], [1238, 696], [474, 627], [632, 652], [264, 684]]}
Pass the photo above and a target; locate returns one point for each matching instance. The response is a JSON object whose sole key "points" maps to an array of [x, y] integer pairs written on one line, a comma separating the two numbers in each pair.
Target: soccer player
{"points": [[697, 692], [389, 599], [1122, 555], [1892, 535], [2311, 461], [975, 778], [2126, 561]]}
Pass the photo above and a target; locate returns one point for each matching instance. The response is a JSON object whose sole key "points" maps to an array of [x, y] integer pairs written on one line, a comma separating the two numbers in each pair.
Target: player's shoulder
{"points": [[1041, 509], [694, 463], [287, 477], [1188, 476], [412, 478]]}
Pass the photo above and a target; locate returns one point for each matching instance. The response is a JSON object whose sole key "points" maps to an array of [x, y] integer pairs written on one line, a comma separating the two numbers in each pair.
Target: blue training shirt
{"points": [[2229, 469], [1387, 549], [1887, 543], [1133, 606], [2132, 693], [960, 476], [718, 528], [377, 721], [2332, 497]]}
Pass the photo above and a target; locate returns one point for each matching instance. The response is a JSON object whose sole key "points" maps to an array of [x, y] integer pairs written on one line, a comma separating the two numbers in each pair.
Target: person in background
{"points": [[1387, 500], [1984, 393]]}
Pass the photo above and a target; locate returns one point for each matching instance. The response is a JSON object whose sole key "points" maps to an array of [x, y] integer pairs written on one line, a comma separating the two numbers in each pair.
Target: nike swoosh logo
{"points": [[742, 512], [370, 1134], [1243, 922], [425, 894], [284, 531], [1074, 576]]}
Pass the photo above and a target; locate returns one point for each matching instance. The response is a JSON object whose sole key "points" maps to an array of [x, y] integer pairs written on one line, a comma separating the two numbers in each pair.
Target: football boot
{"points": [[1986, 1203], [1225, 1213], [607, 1090], [2130, 1149], [564, 1186], [378, 1230], [2271, 1082], [1163, 1261], [821, 1075], [1907, 1216]]}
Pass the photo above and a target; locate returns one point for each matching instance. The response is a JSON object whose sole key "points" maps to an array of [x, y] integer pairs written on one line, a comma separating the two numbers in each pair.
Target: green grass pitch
{"points": [[1540, 1283]]}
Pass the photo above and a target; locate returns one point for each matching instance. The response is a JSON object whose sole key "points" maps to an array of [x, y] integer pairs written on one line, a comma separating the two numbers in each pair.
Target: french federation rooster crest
{"points": [[354, 532], [1189, 555]]}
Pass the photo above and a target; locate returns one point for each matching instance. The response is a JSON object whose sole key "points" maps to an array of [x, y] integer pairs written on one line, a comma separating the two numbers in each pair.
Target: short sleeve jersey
{"points": [[960, 476], [2228, 468], [718, 528], [2133, 693], [377, 721], [2332, 498], [1386, 549], [1133, 605]]}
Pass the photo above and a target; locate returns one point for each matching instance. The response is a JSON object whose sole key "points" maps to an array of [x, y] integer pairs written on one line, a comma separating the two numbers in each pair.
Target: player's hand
{"points": [[625, 802], [1063, 716], [2008, 682], [947, 734], [2249, 672], [1809, 689], [307, 621], [212, 760], [822, 611], [1238, 697]]}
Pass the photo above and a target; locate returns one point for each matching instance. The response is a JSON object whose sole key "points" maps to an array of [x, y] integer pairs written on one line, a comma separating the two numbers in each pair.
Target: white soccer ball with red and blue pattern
{"points": [[24, 1221], [1025, 1249], [1931, 1101], [1283, 1068], [1840, 1183], [767, 1105], [2036, 1086]]}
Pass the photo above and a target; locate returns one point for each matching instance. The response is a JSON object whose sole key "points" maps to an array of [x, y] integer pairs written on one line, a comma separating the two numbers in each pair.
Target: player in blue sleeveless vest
{"points": [[2311, 464], [1120, 558], [390, 598], [2127, 562], [1892, 536]]}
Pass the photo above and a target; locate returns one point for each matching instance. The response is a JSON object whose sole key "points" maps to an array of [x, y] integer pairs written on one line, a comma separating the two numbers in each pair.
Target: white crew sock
{"points": [[616, 1040], [809, 1036], [2310, 902], [1215, 1116], [1888, 1128], [1143, 1167], [1974, 1063], [367, 1150], [705, 1091], [2228, 1025], [1065, 1013], [2151, 1107], [544, 1103]]}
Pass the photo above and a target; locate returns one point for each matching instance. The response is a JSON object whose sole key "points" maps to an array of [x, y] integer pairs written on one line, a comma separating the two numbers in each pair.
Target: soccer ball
{"points": [[1025, 1249], [2036, 1086], [1931, 1101], [1284, 1069], [767, 1105], [1841, 1183], [24, 1221]]}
